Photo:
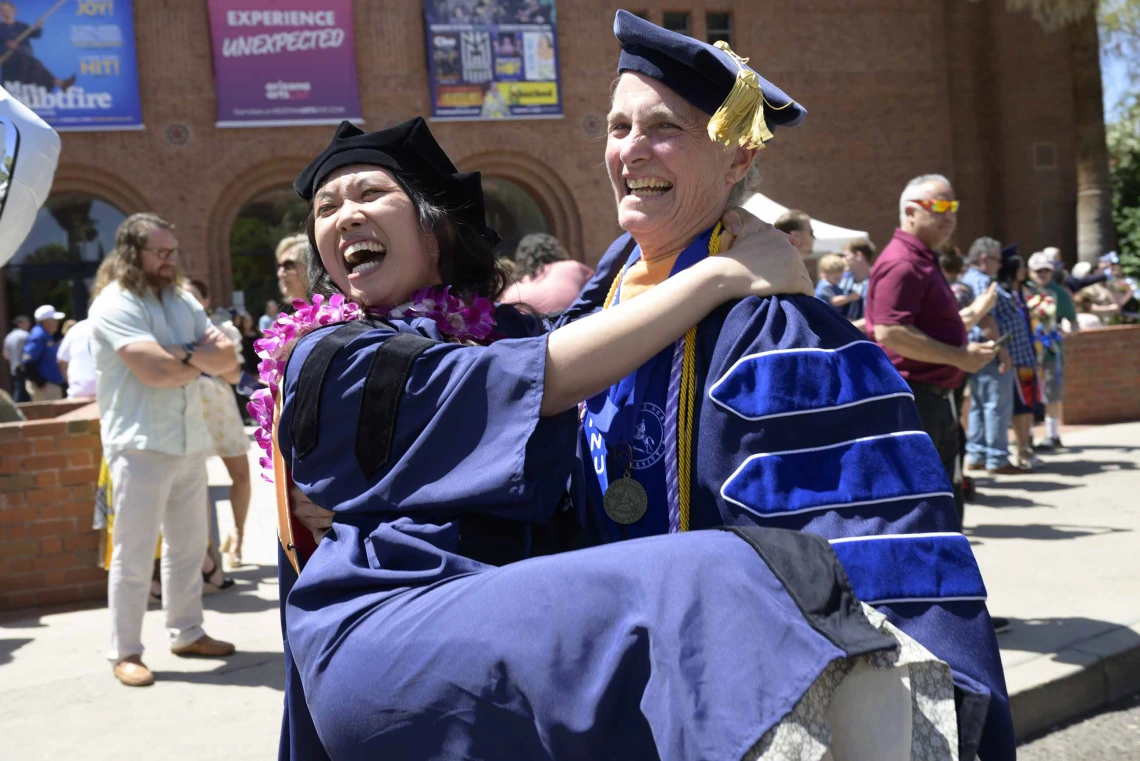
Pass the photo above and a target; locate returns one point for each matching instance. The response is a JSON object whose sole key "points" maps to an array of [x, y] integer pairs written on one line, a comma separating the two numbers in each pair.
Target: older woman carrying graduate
{"points": [[441, 432], [773, 411]]}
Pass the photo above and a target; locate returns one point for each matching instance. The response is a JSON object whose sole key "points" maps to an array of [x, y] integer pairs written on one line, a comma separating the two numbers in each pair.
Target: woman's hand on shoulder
{"points": [[315, 519], [761, 257]]}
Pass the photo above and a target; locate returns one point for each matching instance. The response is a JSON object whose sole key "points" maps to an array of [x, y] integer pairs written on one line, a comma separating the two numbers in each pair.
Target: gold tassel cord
{"points": [[685, 411], [688, 397], [740, 118]]}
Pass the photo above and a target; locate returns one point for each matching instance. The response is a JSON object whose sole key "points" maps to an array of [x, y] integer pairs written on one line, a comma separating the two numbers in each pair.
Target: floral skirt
{"points": [[222, 418]]}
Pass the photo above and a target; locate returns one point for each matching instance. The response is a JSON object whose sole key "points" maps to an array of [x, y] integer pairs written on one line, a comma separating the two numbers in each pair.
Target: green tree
{"points": [[1096, 231], [1124, 165]]}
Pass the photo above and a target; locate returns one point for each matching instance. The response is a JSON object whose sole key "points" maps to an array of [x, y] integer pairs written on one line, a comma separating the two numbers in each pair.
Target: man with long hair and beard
{"points": [[151, 341]]}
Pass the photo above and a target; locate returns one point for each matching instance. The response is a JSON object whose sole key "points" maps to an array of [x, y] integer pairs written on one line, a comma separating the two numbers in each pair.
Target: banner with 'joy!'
{"points": [[72, 62]]}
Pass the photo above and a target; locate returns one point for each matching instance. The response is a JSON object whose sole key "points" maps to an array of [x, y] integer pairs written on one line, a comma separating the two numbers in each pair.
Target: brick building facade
{"points": [[894, 89]]}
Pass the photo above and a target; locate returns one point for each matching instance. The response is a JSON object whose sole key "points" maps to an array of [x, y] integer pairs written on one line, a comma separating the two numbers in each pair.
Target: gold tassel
{"points": [[740, 119]]}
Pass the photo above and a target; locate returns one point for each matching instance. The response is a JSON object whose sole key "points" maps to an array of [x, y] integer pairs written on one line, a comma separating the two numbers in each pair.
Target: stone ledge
{"points": [[1057, 688]]}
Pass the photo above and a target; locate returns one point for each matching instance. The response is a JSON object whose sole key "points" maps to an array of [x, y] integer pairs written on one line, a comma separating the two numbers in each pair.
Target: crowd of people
{"points": [[452, 472], [172, 374], [1026, 306]]}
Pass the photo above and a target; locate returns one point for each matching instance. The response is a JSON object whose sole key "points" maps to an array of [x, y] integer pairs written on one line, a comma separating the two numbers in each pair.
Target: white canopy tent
{"points": [[829, 239]]}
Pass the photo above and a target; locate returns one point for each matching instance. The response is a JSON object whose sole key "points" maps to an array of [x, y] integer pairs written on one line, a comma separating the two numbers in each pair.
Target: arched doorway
{"points": [[56, 264], [513, 212], [260, 224]]}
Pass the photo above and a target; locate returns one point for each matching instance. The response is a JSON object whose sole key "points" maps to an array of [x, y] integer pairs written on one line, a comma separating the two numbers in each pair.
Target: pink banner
{"points": [[284, 62]]}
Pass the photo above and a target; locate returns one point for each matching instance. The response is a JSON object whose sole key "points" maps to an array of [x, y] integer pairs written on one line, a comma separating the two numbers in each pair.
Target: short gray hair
{"points": [[745, 188], [981, 247], [911, 190]]}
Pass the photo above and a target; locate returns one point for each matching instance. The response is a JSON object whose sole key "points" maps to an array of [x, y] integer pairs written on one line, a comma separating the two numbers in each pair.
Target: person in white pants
{"points": [[151, 342]]}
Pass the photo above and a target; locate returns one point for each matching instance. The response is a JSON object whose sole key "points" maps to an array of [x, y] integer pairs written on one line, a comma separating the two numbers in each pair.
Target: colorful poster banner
{"points": [[492, 59], [72, 62], [281, 63]]}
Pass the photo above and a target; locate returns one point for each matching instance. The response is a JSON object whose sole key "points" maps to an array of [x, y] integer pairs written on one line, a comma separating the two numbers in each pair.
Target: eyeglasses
{"points": [[163, 253], [938, 206], [287, 266]]}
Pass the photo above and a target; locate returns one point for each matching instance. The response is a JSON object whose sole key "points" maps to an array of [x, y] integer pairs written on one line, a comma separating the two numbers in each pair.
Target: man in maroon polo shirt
{"points": [[912, 313]]}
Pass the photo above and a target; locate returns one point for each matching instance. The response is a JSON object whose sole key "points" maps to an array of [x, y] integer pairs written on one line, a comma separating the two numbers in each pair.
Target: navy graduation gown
{"points": [[402, 643], [802, 423]]}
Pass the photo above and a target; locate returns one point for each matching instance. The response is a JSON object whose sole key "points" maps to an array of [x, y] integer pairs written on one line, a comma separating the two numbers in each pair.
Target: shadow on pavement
{"points": [[243, 598], [245, 668], [998, 483], [1058, 635], [29, 618], [9, 646], [1039, 531], [1000, 500], [1099, 448], [1081, 468]]}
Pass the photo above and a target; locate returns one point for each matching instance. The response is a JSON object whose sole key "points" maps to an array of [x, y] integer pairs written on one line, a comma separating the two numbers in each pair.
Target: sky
{"points": [[1114, 75]]}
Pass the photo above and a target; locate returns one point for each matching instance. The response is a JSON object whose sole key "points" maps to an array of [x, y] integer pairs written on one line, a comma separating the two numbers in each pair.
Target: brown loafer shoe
{"points": [[133, 673], [205, 646]]}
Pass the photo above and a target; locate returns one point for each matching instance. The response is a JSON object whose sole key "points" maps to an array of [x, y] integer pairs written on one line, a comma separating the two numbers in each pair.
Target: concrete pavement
{"points": [[1058, 549], [58, 697]]}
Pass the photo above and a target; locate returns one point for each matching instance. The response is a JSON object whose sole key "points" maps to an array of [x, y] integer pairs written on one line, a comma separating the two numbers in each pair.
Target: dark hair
{"points": [[201, 288], [792, 221], [950, 259], [16, 321], [535, 251], [1007, 275], [864, 247], [466, 259]]}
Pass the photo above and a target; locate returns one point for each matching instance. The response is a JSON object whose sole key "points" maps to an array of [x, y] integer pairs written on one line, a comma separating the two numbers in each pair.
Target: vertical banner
{"points": [[284, 62], [72, 62], [492, 59]]}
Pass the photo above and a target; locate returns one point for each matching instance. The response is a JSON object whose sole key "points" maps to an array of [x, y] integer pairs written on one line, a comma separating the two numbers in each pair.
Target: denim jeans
{"points": [[991, 410]]}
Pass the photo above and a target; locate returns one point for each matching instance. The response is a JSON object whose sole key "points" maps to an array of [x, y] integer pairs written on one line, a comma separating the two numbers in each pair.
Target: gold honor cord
{"points": [[688, 393]]}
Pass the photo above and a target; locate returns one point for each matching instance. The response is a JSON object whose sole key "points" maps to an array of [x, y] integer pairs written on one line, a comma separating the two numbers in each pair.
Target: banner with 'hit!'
{"points": [[284, 62], [72, 62]]}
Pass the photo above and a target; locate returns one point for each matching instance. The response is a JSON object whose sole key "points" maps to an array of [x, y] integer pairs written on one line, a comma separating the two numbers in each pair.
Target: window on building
{"points": [[56, 264], [513, 212], [676, 21], [719, 26], [262, 222]]}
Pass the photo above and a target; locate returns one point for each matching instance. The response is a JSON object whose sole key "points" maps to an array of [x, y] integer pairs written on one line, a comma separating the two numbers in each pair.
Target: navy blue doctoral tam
{"points": [[702, 74]]}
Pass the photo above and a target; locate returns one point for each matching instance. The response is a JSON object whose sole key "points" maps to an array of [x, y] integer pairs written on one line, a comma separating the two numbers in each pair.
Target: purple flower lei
{"points": [[451, 315]]}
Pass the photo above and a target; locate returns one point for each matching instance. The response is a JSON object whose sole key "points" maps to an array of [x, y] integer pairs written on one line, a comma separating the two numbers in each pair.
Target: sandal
{"points": [[231, 551], [214, 580]]}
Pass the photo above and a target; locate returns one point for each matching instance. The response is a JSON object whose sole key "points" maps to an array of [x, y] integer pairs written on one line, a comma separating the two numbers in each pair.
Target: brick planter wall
{"points": [[51, 410], [1102, 375], [48, 550]]}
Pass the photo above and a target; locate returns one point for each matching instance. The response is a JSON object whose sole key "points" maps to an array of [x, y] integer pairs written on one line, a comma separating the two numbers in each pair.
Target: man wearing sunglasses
{"points": [[912, 313]]}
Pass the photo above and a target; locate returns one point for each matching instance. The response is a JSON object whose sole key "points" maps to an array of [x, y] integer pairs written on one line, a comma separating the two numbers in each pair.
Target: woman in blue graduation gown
{"points": [[438, 617]]}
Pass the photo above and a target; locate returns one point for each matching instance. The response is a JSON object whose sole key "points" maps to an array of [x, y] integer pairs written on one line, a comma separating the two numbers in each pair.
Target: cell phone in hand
{"points": [[1001, 342]]}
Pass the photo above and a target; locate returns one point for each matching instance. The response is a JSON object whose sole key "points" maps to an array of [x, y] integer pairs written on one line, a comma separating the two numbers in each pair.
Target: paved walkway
{"points": [[1058, 549]]}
